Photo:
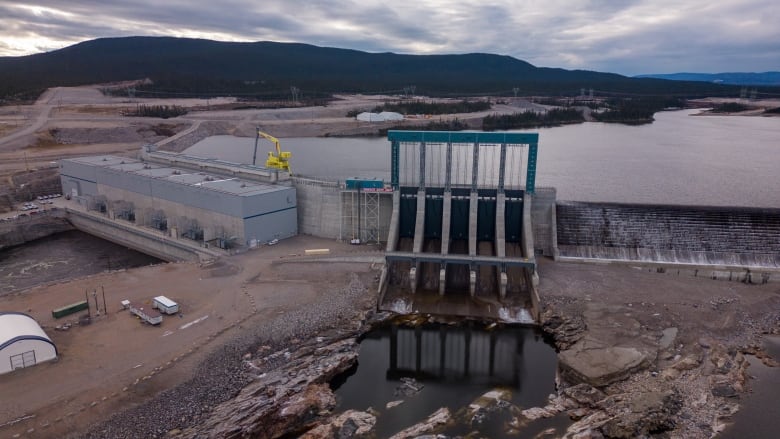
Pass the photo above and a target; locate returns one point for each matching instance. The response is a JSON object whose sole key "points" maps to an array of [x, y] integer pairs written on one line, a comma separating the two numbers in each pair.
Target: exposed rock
{"points": [[670, 374], [669, 335], [438, 419], [602, 365], [639, 414], [349, 424], [486, 405], [274, 405], [584, 394], [686, 363], [490, 399], [588, 425], [724, 390], [392, 404], [535, 413], [408, 387], [566, 330]]}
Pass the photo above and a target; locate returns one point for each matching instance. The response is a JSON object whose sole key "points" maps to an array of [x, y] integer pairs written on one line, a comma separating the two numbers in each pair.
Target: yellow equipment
{"points": [[276, 160]]}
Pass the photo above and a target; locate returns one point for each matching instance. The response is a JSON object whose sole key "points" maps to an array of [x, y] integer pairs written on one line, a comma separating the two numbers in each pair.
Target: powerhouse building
{"points": [[215, 209]]}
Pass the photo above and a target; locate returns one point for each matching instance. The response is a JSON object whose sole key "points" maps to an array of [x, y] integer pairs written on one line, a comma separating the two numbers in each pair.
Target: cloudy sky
{"points": [[623, 36]]}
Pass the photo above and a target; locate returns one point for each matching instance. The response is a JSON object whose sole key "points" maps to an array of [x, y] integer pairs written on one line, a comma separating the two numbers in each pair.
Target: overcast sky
{"points": [[622, 36]]}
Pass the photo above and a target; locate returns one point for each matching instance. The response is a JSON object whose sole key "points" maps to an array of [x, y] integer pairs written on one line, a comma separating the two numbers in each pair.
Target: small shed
{"points": [[22, 342], [165, 305]]}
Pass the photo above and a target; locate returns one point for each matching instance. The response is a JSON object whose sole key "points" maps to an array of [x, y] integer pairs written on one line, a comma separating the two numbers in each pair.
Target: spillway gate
{"points": [[460, 240]]}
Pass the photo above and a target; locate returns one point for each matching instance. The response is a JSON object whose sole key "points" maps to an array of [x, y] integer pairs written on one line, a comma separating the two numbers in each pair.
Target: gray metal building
{"points": [[218, 210]]}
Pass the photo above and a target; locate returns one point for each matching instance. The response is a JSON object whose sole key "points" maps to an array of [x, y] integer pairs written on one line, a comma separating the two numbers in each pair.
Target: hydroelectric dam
{"points": [[459, 225], [460, 239]]}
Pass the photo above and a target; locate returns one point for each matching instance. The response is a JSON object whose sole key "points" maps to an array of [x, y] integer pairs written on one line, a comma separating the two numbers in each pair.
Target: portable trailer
{"points": [[165, 305], [150, 316]]}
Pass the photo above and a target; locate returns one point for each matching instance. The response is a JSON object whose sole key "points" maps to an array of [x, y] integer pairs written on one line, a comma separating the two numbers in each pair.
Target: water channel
{"points": [[65, 255], [452, 366]]}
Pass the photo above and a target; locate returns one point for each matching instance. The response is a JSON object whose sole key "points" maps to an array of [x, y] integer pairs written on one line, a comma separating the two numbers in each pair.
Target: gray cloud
{"points": [[623, 36]]}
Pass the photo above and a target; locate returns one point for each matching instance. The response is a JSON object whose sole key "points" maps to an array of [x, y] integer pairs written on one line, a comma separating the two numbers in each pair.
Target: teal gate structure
{"points": [[461, 223]]}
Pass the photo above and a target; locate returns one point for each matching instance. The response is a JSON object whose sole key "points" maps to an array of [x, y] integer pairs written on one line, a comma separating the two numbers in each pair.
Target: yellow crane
{"points": [[276, 160]]}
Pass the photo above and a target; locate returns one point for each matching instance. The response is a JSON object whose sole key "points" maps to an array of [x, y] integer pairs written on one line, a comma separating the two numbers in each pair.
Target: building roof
{"points": [[203, 180], [16, 326]]}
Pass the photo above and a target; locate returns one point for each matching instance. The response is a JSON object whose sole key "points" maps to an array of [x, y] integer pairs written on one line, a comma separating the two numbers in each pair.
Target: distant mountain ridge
{"points": [[732, 78], [224, 67]]}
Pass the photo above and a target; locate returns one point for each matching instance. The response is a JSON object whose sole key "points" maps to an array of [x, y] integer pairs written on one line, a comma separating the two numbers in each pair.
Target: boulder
{"points": [[438, 419], [349, 424], [585, 394], [601, 366], [668, 336], [636, 415]]}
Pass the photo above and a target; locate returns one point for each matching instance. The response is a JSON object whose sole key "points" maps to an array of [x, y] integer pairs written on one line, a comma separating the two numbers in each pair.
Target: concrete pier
{"points": [[419, 232], [500, 242], [446, 219], [473, 209]]}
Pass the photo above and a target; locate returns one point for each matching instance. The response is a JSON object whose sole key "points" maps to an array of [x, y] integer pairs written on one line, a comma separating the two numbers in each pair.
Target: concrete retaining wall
{"points": [[319, 207], [151, 242], [543, 221]]}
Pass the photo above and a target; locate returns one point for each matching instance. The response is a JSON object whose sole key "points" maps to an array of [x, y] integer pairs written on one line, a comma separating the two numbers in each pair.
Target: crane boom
{"points": [[278, 160]]}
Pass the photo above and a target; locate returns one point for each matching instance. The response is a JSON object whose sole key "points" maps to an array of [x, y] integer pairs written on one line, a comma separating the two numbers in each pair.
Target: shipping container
{"points": [[70, 309]]}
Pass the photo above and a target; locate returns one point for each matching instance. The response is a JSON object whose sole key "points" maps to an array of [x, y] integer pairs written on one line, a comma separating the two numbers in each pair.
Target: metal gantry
{"points": [[417, 153]]}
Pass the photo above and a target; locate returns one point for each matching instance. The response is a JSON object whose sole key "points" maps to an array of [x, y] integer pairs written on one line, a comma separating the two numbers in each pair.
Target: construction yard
{"points": [[117, 361]]}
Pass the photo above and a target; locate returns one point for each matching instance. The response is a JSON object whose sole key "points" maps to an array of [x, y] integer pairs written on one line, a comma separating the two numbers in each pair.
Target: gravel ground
{"points": [[223, 373]]}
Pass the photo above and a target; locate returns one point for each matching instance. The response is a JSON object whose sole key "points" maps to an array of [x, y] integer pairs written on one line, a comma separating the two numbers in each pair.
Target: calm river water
{"points": [[452, 366], [678, 159]]}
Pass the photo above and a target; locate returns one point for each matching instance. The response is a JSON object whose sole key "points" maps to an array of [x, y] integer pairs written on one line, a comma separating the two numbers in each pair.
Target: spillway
{"points": [[460, 241]]}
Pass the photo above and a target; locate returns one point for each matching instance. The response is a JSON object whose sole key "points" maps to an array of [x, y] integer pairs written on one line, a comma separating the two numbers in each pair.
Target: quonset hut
{"points": [[22, 342], [214, 209]]}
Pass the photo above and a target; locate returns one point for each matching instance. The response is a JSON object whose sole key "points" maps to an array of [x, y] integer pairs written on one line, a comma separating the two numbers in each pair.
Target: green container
{"points": [[70, 309]]}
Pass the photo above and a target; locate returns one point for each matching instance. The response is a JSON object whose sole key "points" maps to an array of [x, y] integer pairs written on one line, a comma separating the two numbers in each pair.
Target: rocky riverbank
{"points": [[628, 367], [645, 354], [287, 360]]}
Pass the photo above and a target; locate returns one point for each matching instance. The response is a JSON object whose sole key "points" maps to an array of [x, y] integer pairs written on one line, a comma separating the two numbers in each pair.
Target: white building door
{"points": [[24, 359]]}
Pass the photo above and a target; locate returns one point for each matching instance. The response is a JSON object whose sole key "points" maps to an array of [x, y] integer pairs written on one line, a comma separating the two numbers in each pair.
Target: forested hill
{"points": [[734, 78], [211, 67]]}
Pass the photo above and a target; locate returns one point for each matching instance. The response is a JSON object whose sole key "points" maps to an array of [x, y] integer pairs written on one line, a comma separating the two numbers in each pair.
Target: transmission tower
{"points": [[515, 90], [295, 93]]}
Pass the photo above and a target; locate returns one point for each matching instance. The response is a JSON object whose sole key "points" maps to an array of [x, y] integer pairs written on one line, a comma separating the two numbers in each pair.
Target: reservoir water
{"points": [[679, 159]]}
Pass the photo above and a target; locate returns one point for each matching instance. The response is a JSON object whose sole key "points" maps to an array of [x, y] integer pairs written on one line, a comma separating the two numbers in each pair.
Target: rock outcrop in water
{"points": [[286, 400]]}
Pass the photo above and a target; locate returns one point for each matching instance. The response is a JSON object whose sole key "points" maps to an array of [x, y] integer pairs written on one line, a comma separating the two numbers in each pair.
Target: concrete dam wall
{"points": [[707, 236]]}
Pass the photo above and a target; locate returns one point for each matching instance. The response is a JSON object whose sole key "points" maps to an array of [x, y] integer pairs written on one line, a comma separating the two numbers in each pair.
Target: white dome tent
{"points": [[22, 342], [379, 117]]}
